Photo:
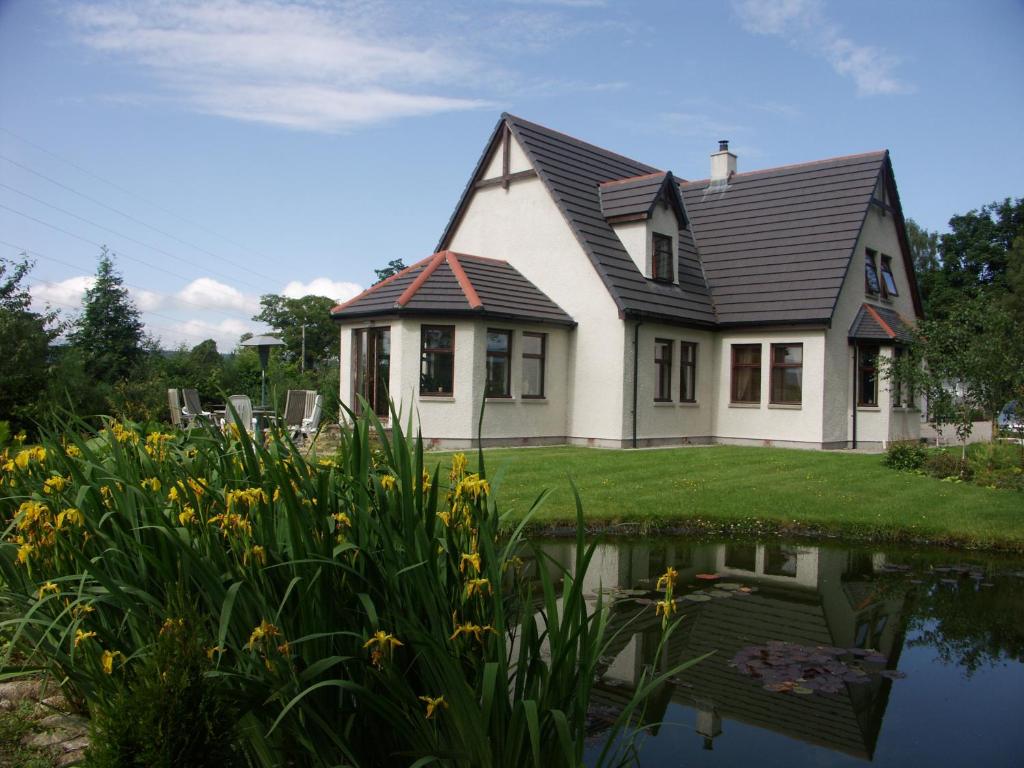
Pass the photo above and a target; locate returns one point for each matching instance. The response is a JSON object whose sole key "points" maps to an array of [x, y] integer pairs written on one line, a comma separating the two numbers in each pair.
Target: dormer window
{"points": [[888, 281], [661, 258], [871, 283]]}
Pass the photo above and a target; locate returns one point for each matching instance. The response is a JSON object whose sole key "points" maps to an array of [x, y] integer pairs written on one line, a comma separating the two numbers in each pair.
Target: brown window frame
{"points": [[782, 367], [424, 351], [871, 269], [861, 370], [657, 274], [507, 355], [543, 362], [741, 366], [663, 366], [886, 272], [687, 362]]}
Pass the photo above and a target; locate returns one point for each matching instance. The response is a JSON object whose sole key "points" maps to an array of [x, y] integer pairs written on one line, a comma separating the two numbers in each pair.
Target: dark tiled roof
{"points": [[635, 198], [879, 324], [776, 244], [456, 284], [572, 170], [766, 247]]}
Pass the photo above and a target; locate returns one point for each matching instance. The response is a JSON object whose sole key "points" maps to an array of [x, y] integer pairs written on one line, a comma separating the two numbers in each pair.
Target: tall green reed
{"points": [[360, 609]]}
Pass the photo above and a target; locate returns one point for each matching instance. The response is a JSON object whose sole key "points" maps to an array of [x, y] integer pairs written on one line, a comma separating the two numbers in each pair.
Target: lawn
{"points": [[753, 490]]}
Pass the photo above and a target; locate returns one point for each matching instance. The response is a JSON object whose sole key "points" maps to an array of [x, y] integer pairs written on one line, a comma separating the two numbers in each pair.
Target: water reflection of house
{"points": [[807, 595]]}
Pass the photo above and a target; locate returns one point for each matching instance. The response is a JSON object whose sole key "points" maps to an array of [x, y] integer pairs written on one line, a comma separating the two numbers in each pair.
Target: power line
{"points": [[126, 237], [32, 252], [123, 190], [131, 218], [91, 242]]}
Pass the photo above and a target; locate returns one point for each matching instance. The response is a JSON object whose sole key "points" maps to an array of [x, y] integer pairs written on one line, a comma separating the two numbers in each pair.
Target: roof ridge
{"points": [[464, 282], [880, 152], [524, 121], [421, 278], [878, 318]]}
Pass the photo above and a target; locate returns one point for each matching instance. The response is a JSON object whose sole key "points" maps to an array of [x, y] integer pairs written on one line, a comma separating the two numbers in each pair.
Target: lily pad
{"points": [[707, 576], [729, 586], [802, 690], [695, 598]]}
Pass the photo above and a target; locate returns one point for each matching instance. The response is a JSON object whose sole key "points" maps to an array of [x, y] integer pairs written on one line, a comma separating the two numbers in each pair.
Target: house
{"points": [[584, 297]]}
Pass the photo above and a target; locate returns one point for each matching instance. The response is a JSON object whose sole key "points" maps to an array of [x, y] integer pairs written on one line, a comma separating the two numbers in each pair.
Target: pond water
{"points": [[824, 656]]}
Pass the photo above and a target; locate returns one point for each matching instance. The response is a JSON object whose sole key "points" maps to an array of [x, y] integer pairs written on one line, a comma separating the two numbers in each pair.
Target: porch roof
{"points": [[449, 283], [879, 324]]}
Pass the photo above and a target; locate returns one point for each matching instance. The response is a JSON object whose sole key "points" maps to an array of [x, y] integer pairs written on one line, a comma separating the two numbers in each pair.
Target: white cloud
{"points": [[322, 286], [207, 293], [147, 301], [309, 65], [804, 24], [64, 295]]}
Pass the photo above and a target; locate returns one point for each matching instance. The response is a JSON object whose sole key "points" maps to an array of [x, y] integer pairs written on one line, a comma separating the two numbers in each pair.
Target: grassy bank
{"points": [[726, 489]]}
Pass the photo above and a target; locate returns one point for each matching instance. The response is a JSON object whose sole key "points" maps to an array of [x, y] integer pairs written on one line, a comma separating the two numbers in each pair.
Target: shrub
{"points": [[361, 611], [947, 464], [170, 711], [905, 456]]}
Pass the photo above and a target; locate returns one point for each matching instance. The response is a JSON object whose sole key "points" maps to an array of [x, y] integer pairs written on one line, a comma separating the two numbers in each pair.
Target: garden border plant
{"points": [[358, 610]]}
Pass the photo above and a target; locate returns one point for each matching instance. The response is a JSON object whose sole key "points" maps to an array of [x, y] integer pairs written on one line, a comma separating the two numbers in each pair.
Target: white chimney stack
{"points": [[723, 162]]}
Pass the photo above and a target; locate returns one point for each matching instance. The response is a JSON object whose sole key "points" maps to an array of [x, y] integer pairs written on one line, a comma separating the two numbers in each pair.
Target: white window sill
{"points": [[744, 405], [499, 400], [688, 404], [437, 398], [787, 406], [533, 400], [869, 408], [664, 404]]}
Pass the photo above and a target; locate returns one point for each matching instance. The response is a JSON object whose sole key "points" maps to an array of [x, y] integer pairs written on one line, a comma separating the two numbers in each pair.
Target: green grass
{"points": [[726, 489]]}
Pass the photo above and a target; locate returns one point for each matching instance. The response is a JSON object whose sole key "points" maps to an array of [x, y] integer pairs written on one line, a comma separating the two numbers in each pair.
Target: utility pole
{"points": [[303, 368]]}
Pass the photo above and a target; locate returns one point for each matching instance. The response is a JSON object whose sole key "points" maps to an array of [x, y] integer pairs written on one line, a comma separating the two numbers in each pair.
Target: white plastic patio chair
{"points": [[311, 423], [242, 405]]}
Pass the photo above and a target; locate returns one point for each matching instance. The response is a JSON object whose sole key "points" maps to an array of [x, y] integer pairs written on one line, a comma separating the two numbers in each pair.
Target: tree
{"points": [[25, 338], [109, 331], [393, 268], [289, 316], [967, 362], [924, 250]]}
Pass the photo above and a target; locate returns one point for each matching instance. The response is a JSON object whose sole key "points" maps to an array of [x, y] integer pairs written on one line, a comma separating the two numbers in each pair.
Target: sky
{"points": [[223, 150]]}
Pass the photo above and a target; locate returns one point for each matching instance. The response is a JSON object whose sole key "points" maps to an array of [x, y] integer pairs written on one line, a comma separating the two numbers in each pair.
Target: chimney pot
{"points": [[723, 145]]}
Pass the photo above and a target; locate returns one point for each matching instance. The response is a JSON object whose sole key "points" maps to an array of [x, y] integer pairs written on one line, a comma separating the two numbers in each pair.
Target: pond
{"points": [[823, 656]]}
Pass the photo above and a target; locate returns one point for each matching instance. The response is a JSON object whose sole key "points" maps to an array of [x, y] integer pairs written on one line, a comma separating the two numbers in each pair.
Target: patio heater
{"points": [[263, 345]]}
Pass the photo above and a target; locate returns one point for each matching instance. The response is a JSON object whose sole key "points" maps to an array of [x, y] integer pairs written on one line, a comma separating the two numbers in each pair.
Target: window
{"points": [[888, 281], [661, 266], [867, 376], [787, 373], [687, 372], [871, 284], [746, 373], [534, 351], [437, 360], [663, 370], [499, 364]]}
